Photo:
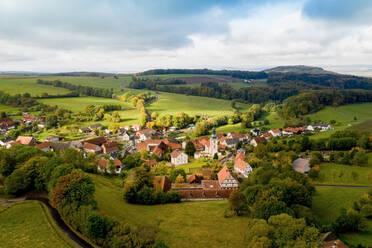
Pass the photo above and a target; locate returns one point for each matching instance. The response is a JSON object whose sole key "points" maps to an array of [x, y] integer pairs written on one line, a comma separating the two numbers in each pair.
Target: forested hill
{"points": [[234, 73], [298, 69]]}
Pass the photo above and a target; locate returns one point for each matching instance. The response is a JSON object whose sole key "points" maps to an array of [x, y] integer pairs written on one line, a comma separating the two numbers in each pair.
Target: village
{"points": [[110, 148]]}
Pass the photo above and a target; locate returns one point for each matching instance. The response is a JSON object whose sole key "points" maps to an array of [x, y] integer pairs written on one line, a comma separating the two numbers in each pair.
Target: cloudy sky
{"points": [[134, 35]]}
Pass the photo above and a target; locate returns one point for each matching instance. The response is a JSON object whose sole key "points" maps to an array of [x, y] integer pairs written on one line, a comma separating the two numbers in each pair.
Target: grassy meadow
{"points": [[344, 113], [327, 204], [27, 224], [186, 224], [365, 126], [169, 103], [338, 174], [20, 85]]}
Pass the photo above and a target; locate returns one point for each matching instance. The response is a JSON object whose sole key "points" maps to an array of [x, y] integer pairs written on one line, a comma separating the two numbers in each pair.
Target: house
{"points": [[310, 128], [226, 180], [162, 184], [104, 165], [76, 144], [255, 132], [41, 125], [60, 146], [257, 140], [6, 142], [92, 148], [52, 138], [45, 146], [97, 141], [151, 162], [109, 147], [198, 155], [84, 130], [125, 136], [24, 140], [242, 167], [6, 124], [267, 136], [136, 127], [301, 165], [194, 179], [95, 126], [230, 142], [28, 119], [160, 149], [178, 157], [324, 127], [334, 244], [275, 132], [145, 134]]}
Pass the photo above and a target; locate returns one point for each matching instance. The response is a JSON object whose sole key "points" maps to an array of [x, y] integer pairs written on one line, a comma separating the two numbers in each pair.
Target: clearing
{"points": [[186, 224]]}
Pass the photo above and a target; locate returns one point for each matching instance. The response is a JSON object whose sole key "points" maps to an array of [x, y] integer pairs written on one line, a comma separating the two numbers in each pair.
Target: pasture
{"points": [[365, 126], [20, 85], [339, 174], [186, 224], [27, 224], [327, 204], [172, 104], [344, 113]]}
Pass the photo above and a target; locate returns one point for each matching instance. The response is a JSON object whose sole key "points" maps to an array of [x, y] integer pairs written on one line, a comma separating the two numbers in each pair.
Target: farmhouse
{"points": [[145, 134], [275, 132], [178, 157], [257, 140], [24, 140], [242, 167], [92, 148], [104, 165], [109, 147], [28, 119], [45, 146], [226, 180], [6, 124]]}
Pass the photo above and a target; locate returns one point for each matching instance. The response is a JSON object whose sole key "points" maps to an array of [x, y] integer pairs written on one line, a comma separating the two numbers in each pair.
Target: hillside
{"points": [[298, 69]]}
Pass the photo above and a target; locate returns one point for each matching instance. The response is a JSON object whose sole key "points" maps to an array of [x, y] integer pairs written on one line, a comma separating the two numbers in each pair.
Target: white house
{"points": [[178, 158], [242, 167], [145, 134], [226, 180], [310, 128], [275, 132]]}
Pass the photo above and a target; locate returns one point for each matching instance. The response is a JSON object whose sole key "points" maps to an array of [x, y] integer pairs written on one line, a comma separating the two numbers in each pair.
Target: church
{"points": [[212, 147]]}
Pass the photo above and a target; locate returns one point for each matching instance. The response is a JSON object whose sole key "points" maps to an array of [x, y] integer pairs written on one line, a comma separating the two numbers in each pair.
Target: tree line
{"points": [[313, 101], [79, 89]]}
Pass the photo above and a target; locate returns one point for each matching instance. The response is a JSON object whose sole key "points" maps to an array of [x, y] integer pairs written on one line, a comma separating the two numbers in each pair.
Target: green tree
{"points": [[237, 202], [190, 149], [51, 121]]}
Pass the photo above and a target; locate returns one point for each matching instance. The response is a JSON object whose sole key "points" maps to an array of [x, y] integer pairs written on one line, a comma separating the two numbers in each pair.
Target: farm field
{"points": [[25, 224], [327, 204], [179, 225], [169, 103], [331, 173], [344, 113], [20, 85], [8, 109]]}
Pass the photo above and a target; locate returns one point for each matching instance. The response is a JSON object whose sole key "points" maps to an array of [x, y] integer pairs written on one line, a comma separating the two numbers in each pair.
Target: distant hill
{"points": [[298, 69]]}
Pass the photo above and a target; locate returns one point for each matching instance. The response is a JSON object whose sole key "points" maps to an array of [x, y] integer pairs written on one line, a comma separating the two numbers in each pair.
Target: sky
{"points": [[136, 35]]}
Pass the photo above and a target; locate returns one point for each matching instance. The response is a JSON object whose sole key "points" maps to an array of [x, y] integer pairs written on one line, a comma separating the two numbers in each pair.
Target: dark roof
{"points": [[97, 141]]}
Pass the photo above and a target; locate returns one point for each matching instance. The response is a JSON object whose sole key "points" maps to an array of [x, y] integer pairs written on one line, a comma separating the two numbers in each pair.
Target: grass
{"points": [[186, 224], [26, 224], [328, 133], [193, 164], [331, 173], [169, 103], [20, 85], [365, 126], [344, 113], [327, 203], [8, 109]]}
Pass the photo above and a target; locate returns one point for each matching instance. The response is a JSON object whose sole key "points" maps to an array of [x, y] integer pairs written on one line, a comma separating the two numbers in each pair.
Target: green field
{"points": [[8, 109], [169, 103], [327, 203], [187, 224], [20, 85], [193, 164], [365, 126], [344, 113], [331, 173], [26, 224]]}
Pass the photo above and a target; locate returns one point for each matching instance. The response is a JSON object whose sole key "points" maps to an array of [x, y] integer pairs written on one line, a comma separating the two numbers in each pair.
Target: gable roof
{"points": [[223, 174], [97, 141], [145, 131], [103, 163], [90, 146], [176, 153], [163, 184], [44, 145], [24, 140], [275, 130], [240, 155], [241, 164]]}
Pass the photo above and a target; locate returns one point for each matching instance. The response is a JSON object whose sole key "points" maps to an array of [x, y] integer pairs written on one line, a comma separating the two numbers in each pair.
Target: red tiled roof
{"points": [[151, 162], [241, 164], [259, 139], [162, 183], [103, 163], [223, 174], [117, 162], [6, 122], [90, 146], [275, 130], [240, 155], [145, 131], [176, 153], [29, 118], [97, 141], [210, 184], [194, 179], [24, 140], [43, 145]]}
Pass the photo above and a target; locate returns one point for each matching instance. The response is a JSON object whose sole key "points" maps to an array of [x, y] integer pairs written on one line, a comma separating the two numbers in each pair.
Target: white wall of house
{"points": [[180, 159]]}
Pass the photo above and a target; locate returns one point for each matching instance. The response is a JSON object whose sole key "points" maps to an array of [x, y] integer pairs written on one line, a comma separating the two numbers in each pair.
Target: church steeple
{"points": [[214, 136]]}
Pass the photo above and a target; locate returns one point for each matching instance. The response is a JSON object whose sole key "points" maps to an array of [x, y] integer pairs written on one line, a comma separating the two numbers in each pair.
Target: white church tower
{"points": [[213, 146]]}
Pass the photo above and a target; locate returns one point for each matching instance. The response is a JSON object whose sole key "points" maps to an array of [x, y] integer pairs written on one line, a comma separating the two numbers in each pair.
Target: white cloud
{"points": [[270, 35]]}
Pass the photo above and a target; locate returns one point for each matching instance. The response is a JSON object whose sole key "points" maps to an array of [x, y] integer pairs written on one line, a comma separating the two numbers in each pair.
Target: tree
{"points": [[51, 121], [190, 149], [215, 156], [159, 244], [179, 179], [237, 202], [14, 133], [96, 226], [349, 221], [174, 173]]}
